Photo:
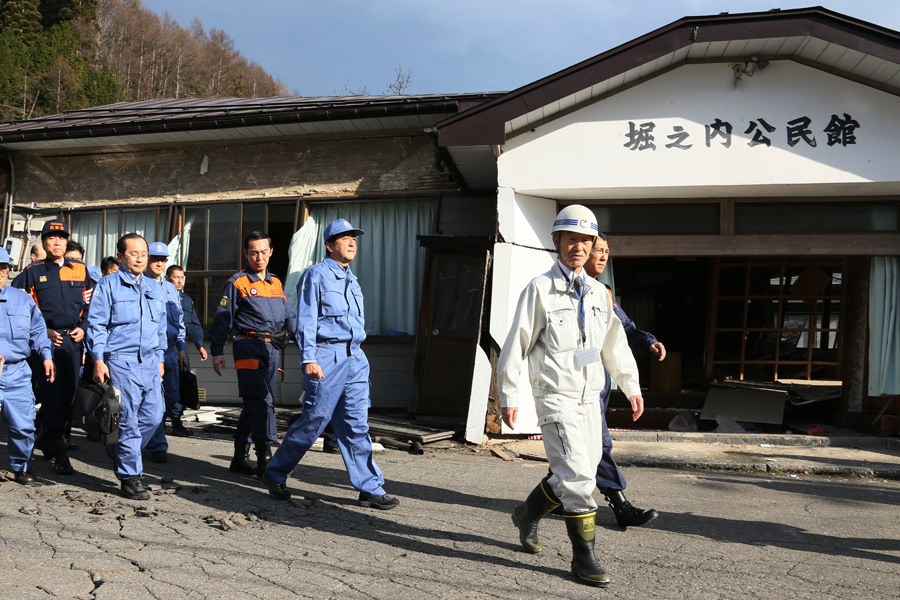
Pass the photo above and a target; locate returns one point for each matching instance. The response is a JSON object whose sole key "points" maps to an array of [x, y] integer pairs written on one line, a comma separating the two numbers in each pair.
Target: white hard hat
{"points": [[577, 218]]}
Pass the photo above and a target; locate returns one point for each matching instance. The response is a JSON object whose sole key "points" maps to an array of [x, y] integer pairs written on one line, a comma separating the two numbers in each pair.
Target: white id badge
{"points": [[586, 357]]}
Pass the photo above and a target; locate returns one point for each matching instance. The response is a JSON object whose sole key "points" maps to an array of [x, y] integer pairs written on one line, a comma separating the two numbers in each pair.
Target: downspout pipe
{"points": [[10, 183]]}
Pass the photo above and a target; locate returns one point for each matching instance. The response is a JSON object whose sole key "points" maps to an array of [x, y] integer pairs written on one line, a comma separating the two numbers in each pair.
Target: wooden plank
{"points": [[501, 453], [534, 457]]}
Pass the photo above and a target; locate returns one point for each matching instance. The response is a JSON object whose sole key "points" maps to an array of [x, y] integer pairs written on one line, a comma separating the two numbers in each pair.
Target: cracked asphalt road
{"points": [[210, 534]]}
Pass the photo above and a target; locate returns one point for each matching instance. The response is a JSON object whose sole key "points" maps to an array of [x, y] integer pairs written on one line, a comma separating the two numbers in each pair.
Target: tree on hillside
{"points": [[21, 19], [155, 57]]}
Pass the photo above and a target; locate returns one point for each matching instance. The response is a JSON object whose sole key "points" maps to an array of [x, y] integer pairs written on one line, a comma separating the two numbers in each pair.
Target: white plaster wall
{"points": [[525, 220], [585, 151], [514, 267]]}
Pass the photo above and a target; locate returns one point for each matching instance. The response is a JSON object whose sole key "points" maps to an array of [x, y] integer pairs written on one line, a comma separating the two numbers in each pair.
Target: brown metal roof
{"points": [[485, 124], [187, 114]]}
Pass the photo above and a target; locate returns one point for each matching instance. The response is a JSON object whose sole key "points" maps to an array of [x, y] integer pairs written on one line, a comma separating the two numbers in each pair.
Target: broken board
{"points": [[751, 405]]}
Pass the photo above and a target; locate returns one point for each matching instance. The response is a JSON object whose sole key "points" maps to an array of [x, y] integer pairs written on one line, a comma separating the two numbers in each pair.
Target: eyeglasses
{"points": [[4, 269]]}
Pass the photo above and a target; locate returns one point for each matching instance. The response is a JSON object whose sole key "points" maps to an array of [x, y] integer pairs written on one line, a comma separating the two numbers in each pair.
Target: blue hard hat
{"points": [[340, 226], [158, 249], [95, 273], [4, 256]]}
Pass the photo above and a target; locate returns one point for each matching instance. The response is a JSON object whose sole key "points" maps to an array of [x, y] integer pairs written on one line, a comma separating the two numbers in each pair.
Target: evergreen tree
{"points": [[21, 19]]}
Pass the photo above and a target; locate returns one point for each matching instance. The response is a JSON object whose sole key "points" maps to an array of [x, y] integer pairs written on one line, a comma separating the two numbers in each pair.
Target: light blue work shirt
{"points": [[130, 318], [22, 327], [175, 331], [330, 310]]}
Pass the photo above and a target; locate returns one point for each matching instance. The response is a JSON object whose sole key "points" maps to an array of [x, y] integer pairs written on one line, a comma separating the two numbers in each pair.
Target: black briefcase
{"points": [[96, 410], [190, 393]]}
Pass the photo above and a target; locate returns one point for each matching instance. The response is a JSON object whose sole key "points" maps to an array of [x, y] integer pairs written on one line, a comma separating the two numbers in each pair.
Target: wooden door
{"points": [[452, 330]]}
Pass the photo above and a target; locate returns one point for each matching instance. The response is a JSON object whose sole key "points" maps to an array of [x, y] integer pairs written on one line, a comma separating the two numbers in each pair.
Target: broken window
{"points": [[776, 319]]}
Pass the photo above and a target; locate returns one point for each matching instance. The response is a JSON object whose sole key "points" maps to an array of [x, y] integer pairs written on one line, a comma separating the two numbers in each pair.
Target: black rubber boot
{"points": [[528, 515], [263, 456], [580, 528], [241, 461], [626, 514]]}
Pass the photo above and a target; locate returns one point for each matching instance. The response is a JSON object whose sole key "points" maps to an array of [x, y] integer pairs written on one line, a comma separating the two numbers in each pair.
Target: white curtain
{"points": [[390, 263], [87, 230], [142, 222], [179, 242], [884, 326]]}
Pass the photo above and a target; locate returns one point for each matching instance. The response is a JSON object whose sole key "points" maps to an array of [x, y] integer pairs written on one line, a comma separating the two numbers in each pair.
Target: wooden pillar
{"points": [[855, 338]]}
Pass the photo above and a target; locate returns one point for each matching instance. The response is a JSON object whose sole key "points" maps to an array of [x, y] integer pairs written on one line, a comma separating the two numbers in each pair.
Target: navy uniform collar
{"points": [[254, 277]]}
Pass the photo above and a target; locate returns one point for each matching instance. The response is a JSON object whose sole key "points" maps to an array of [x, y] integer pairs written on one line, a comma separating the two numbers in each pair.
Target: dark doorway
{"points": [[669, 298]]}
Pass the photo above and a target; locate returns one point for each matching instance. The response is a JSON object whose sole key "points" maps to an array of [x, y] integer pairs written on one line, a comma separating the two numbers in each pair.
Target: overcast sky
{"points": [[317, 48]]}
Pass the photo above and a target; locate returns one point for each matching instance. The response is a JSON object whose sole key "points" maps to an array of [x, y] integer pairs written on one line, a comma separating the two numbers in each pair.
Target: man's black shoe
{"points": [[160, 456], [24, 477], [63, 466], [179, 430], [380, 502], [133, 488], [278, 491]]}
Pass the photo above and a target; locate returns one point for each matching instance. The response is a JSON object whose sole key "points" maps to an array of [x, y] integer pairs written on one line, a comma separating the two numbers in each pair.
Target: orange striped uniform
{"points": [[61, 291], [253, 306]]}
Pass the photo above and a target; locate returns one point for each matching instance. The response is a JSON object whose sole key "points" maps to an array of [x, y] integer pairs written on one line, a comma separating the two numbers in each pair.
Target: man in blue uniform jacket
{"points": [[22, 329], [176, 354], [610, 479], [253, 302], [175, 276], [61, 288], [330, 329], [127, 340]]}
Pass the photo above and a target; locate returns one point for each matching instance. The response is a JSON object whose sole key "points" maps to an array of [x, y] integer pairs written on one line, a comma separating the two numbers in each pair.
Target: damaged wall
{"points": [[228, 171]]}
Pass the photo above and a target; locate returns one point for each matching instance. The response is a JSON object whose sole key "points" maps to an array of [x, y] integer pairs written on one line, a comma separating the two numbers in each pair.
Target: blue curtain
{"points": [[884, 327], [390, 263]]}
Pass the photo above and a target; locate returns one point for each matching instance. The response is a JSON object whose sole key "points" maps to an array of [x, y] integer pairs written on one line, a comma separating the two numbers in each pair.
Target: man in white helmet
{"points": [[567, 331]]}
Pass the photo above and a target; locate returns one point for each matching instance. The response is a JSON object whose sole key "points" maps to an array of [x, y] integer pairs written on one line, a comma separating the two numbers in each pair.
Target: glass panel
{"points": [[281, 229], [456, 304], [658, 218], [254, 219], [111, 235], [733, 281], [195, 238], [142, 222], [730, 314], [163, 229], [215, 287], [194, 287], [86, 230], [728, 345], [819, 217], [224, 244]]}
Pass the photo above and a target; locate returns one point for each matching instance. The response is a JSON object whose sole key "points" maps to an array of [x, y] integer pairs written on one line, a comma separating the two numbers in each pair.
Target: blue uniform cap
{"points": [[4, 256], [158, 249], [340, 226], [95, 273], [55, 227]]}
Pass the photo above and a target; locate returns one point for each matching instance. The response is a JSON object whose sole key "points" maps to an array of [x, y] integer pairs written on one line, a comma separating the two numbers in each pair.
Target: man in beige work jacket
{"points": [[566, 330]]}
